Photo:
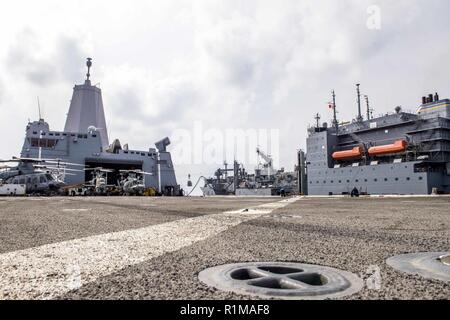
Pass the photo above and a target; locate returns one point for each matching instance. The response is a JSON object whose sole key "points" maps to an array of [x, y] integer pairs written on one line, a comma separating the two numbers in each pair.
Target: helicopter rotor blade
{"points": [[57, 168], [54, 161]]}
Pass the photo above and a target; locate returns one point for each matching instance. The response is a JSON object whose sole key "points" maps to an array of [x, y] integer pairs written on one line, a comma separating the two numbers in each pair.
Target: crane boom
{"points": [[266, 157]]}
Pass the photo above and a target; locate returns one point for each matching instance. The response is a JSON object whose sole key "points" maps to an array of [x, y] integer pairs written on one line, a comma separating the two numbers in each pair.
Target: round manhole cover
{"points": [[282, 280], [430, 265]]}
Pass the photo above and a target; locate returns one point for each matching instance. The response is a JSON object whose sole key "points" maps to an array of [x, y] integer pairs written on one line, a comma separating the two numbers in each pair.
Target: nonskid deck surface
{"points": [[154, 248]]}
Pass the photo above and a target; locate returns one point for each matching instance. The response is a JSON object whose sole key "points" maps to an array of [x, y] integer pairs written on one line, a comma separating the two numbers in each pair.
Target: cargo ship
{"points": [[399, 153]]}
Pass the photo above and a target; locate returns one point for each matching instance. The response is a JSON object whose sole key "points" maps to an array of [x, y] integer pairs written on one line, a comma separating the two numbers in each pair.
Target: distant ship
{"points": [[85, 141], [400, 153], [265, 181]]}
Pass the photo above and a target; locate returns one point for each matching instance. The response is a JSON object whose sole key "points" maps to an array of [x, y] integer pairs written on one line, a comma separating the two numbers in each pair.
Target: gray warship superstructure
{"points": [[402, 153], [85, 141], [265, 181]]}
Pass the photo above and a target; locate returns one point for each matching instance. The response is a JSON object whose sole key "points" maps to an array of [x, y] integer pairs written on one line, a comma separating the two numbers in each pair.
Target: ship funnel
{"points": [[86, 109], [436, 97], [424, 100]]}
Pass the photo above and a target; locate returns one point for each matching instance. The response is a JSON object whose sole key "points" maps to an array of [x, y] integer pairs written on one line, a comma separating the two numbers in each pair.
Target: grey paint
{"points": [[86, 110], [428, 133], [78, 144]]}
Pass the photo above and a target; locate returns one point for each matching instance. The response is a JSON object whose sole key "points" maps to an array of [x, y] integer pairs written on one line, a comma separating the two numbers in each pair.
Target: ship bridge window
{"points": [[420, 178], [34, 132], [43, 143], [57, 134]]}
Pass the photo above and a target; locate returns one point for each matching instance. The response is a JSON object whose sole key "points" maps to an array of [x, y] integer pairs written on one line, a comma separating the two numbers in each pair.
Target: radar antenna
{"points": [[39, 109], [358, 92], [335, 121], [89, 65], [369, 110], [317, 117]]}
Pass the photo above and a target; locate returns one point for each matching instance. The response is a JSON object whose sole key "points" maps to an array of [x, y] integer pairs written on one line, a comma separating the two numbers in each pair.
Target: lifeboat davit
{"points": [[398, 146], [355, 153]]}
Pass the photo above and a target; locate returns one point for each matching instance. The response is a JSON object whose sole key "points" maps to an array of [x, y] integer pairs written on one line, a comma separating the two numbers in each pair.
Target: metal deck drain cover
{"points": [[430, 265], [282, 280], [445, 260]]}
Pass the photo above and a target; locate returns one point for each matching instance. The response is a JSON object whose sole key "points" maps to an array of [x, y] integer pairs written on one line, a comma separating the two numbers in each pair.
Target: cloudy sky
{"points": [[165, 64]]}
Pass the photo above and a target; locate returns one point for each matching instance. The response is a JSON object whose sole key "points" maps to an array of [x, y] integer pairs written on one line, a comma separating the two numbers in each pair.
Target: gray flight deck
{"points": [[354, 235]]}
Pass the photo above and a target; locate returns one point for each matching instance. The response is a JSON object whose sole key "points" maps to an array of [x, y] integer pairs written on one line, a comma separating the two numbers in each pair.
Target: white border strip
{"points": [[51, 270]]}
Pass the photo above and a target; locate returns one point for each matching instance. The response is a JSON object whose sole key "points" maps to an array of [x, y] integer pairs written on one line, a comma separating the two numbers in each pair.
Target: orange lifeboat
{"points": [[398, 146], [355, 153]]}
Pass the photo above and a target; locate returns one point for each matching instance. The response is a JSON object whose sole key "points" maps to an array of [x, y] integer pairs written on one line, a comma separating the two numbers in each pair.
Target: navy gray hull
{"points": [[85, 141], [400, 153]]}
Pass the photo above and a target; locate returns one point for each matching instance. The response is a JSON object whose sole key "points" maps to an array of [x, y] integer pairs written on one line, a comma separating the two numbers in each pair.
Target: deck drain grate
{"points": [[282, 280], [445, 259], [430, 265]]}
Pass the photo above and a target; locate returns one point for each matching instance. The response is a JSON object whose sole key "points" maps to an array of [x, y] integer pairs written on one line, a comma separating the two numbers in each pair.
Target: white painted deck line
{"points": [[51, 270]]}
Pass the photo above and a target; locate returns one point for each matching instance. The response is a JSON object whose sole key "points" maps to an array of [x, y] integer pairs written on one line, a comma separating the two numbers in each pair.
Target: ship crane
{"points": [[267, 159]]}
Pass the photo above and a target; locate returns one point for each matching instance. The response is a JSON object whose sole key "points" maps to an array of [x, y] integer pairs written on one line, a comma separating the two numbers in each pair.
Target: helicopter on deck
{"points": [[38, 176], [98, 185], [132, 182]]}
